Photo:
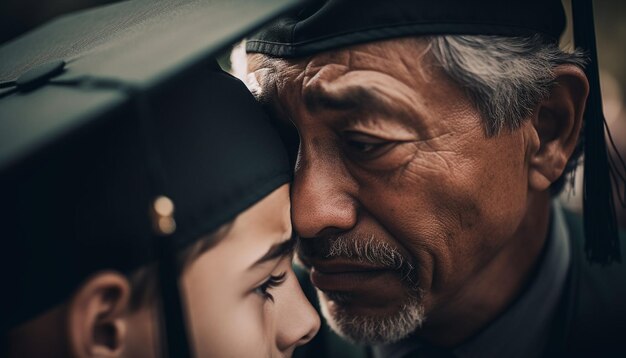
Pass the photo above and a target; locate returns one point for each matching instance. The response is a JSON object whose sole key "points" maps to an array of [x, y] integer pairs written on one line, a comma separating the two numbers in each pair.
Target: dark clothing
{"points": [[588, 319], [591, 320]]}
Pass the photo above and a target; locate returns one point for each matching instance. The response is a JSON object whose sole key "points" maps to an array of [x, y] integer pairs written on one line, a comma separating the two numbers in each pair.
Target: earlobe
{"points": [[557, 122], [96, 316]]}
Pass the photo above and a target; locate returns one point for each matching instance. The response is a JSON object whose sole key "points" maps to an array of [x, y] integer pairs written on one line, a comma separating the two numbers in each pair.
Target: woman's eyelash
{"points": [[271, 282]]}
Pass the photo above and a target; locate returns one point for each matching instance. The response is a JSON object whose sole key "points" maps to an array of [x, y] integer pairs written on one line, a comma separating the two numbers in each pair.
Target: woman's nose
{"points": [[297, 321]]}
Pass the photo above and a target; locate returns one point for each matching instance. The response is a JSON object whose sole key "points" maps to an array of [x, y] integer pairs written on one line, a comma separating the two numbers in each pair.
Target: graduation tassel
{"points": [[600, 224]]}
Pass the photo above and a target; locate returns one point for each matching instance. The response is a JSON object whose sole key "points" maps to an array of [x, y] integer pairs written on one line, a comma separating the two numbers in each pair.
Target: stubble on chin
{"points": [[391, 323], [372, 329]]}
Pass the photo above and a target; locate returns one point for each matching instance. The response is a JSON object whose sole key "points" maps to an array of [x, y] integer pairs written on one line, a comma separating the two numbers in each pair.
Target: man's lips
{"points": [[338, 266], [348, 276]]}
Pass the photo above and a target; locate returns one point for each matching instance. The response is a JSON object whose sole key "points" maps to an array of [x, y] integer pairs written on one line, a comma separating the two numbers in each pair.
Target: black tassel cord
{"points": [[600, 224]]}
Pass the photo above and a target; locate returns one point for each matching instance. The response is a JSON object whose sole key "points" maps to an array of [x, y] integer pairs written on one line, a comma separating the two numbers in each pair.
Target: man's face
{"points": [[399, 197]]}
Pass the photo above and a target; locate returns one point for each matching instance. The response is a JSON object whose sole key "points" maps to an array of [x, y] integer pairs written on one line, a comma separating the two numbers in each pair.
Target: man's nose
{"points": [[321, 199]]}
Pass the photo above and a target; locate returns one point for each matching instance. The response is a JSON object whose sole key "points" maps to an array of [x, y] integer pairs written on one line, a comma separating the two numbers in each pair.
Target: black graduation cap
{"points": [[122, 141], [328, 24]]}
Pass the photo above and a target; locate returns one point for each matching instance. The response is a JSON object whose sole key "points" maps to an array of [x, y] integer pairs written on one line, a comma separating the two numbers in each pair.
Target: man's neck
{"points": [[496, 285]]}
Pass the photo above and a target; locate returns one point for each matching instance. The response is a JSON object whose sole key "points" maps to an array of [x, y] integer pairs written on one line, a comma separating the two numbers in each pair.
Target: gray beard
{"points": [[371, 330]]}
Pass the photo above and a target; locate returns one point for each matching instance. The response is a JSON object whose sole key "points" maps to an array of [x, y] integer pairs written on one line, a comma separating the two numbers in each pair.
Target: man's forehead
{"points": [[376, 55], [349, 78], [278, 80]]}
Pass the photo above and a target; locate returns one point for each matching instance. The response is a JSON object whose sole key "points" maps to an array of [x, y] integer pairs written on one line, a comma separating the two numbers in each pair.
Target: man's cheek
{"points": [[434, 182]]}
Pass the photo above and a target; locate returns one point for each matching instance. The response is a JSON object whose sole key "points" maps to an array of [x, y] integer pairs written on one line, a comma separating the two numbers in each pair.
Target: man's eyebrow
{"points": [[277, 250], [370, 98], [340, 98]]}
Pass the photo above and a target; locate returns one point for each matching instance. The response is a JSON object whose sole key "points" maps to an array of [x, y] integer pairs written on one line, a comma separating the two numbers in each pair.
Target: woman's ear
{"points": [[557, 122], [97, 316]]}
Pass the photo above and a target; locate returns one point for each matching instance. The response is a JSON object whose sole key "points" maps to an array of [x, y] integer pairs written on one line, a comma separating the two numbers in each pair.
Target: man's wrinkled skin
{"points": [[392, 148]]}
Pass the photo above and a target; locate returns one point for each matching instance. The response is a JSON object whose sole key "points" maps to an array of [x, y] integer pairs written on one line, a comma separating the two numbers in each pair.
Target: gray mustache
{"points": [[368, 250]]}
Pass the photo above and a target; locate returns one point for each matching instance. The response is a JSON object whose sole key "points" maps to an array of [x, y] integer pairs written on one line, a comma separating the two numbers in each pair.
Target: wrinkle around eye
{"points": [[393, 153], [393, 156], [365, 146], [369, 151]]}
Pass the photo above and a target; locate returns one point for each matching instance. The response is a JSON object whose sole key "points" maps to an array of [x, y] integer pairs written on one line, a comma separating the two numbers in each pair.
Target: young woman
{"points": [[88, 289]]}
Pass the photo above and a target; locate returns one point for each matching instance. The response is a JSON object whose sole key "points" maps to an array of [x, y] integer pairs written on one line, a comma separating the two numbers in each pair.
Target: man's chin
{"points": [[371, 324]]}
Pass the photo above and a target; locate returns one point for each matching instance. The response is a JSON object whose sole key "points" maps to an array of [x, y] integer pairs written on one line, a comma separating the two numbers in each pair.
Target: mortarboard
{"points": [[324, 25], [122, 141]]}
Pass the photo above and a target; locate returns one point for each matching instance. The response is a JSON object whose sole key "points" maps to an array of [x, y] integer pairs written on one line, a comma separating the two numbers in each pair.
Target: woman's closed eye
{"points": [[264, 289]]}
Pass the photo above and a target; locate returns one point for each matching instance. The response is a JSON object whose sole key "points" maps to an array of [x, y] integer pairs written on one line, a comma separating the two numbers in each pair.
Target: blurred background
{"points": [[19, 16]]}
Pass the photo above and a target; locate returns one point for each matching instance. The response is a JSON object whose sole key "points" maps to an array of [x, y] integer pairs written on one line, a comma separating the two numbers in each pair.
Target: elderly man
{"points": [[432, 138]]}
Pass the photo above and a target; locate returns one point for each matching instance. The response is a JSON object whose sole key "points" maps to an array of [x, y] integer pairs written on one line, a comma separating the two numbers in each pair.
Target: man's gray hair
{"points": [[505, 77]]}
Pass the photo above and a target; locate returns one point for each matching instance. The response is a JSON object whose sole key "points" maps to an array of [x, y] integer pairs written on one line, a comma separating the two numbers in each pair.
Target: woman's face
{"points": [[243, 298]]}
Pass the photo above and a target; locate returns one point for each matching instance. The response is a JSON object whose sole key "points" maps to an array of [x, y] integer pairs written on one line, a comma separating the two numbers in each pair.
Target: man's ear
{"points": [[96, 316], [557, 122]]}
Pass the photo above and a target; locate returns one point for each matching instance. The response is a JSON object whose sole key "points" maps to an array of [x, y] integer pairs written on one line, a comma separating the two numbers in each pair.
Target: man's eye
{"points": [[365, 146], [264, 289]]}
